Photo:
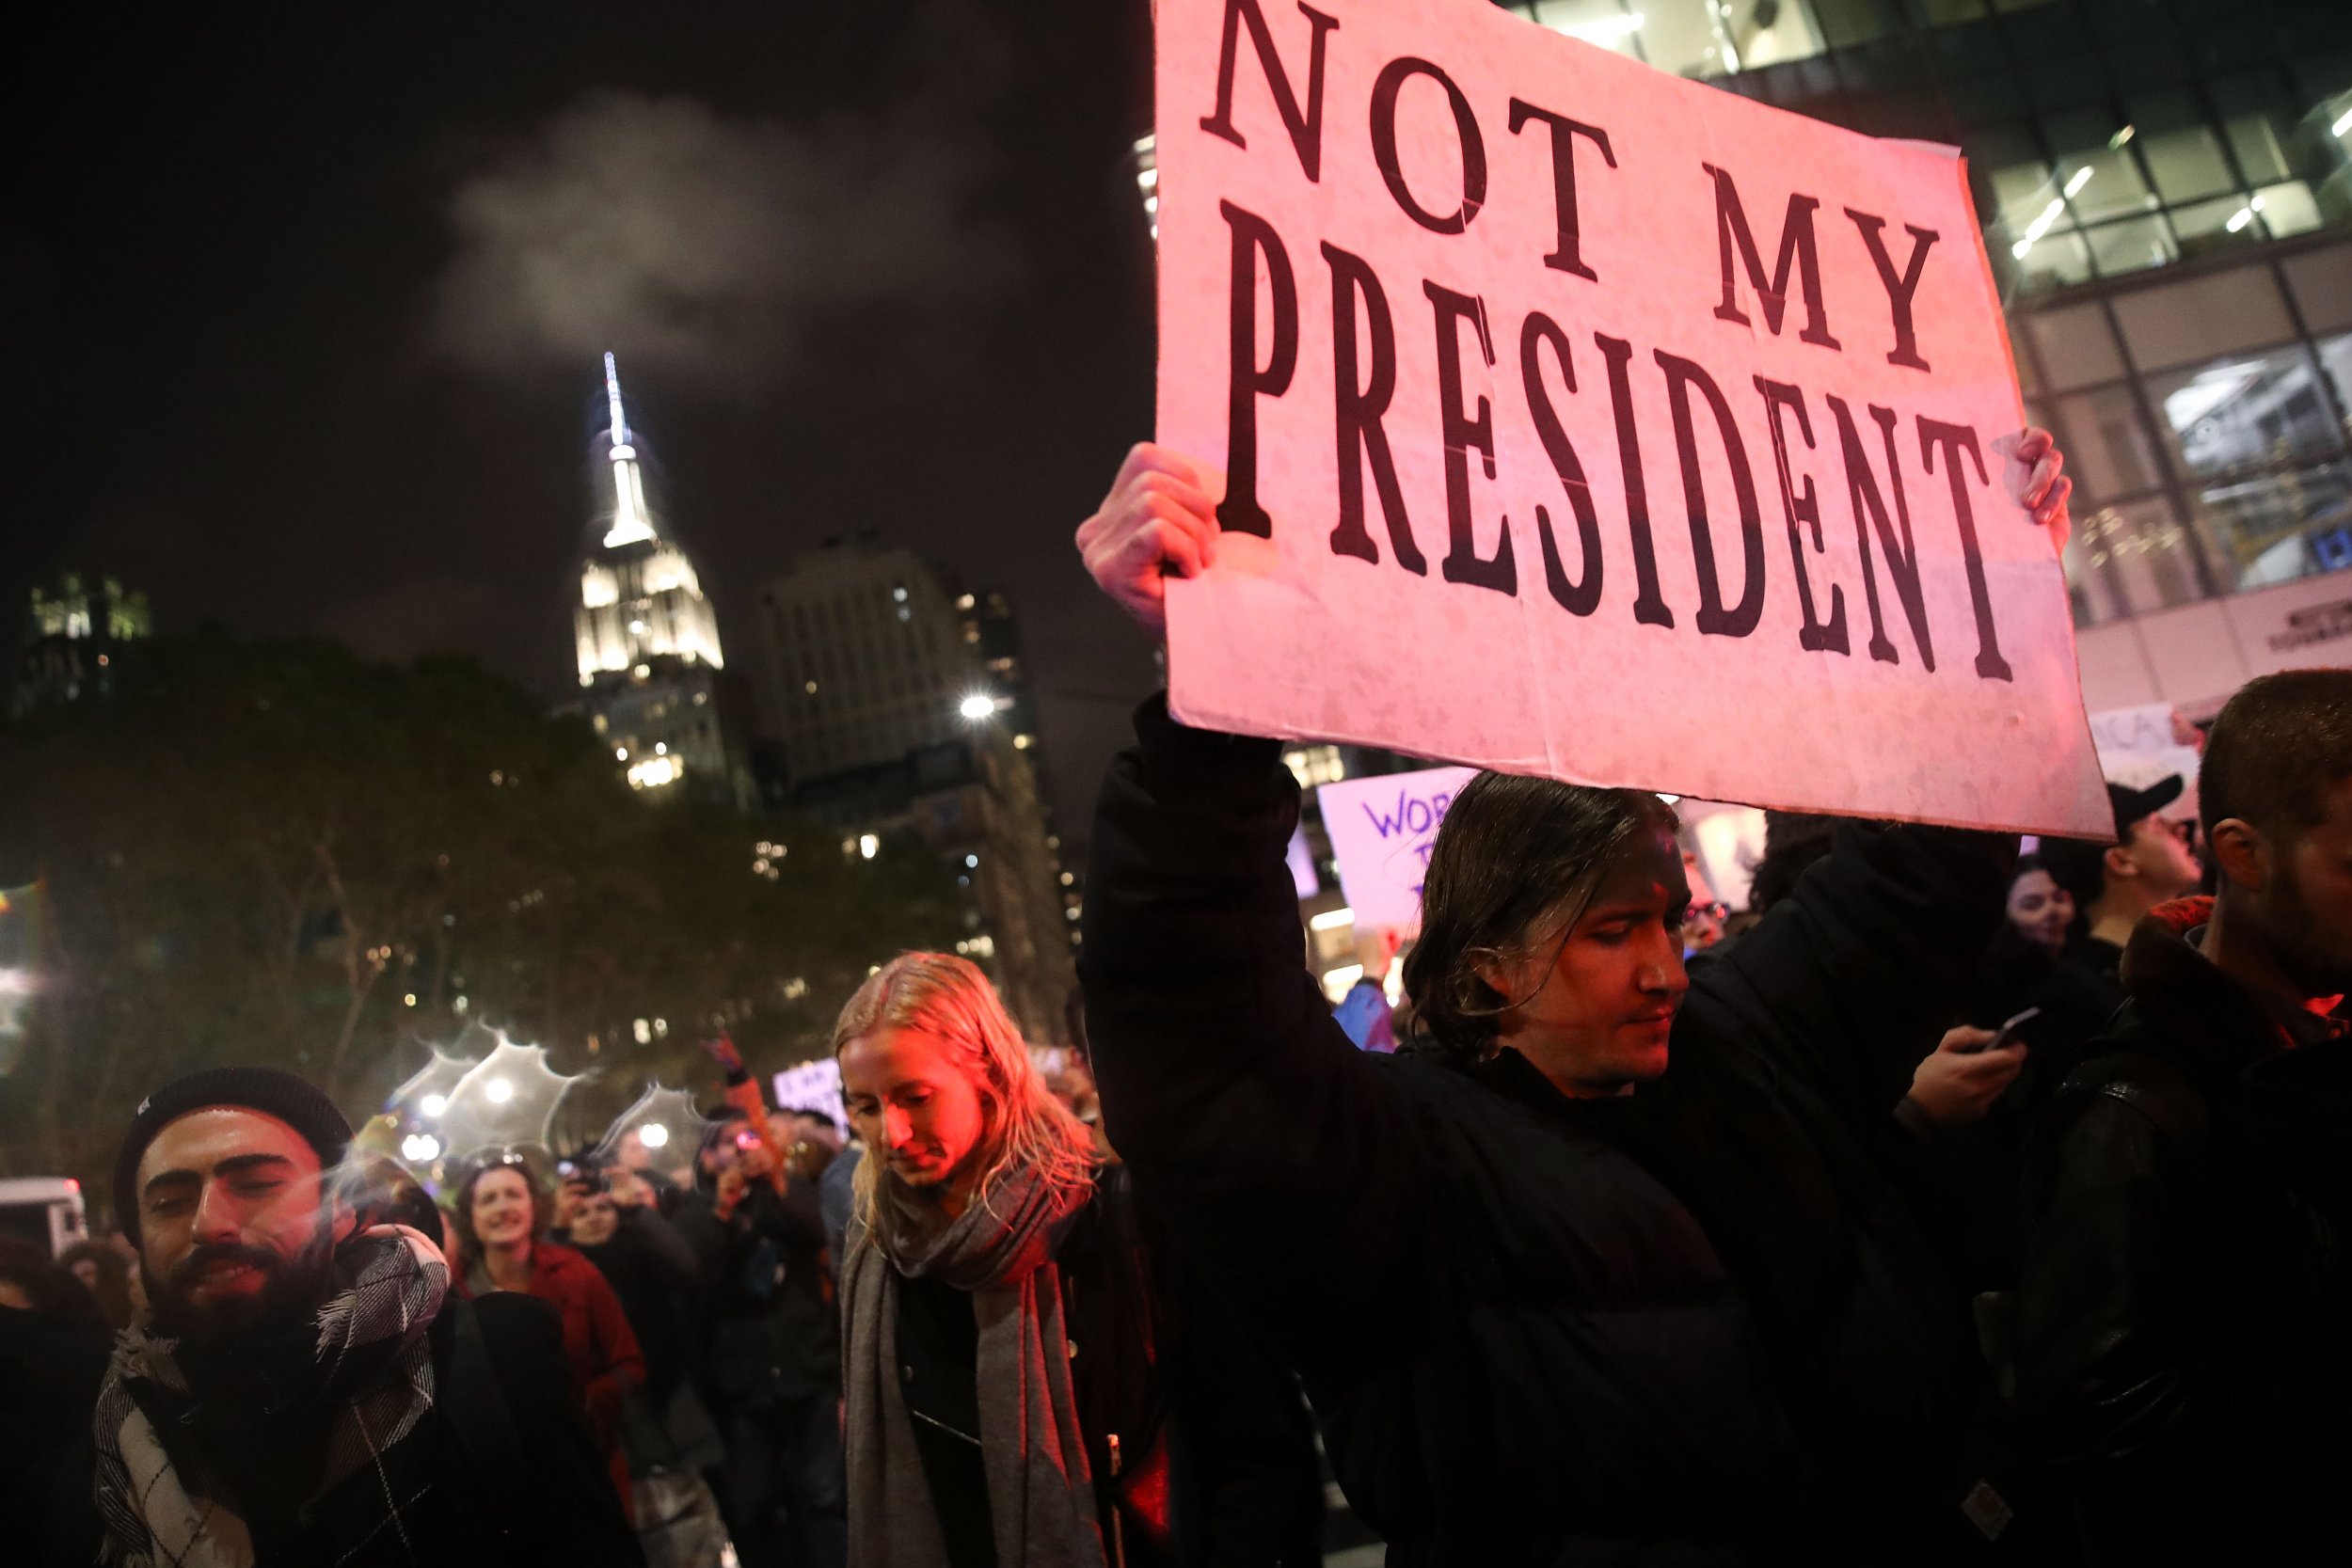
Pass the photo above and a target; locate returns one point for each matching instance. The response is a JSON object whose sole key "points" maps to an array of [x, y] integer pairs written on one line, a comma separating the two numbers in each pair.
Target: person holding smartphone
{"points": [[773, 1347]]}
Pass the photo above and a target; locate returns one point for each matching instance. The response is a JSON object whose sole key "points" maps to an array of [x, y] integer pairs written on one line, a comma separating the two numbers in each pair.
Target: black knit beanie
{"points": [[295, 1102]]}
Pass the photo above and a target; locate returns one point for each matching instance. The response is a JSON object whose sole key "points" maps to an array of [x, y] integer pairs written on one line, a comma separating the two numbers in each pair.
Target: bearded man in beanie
{"points": [[2185, 1275], [304, 1389]]}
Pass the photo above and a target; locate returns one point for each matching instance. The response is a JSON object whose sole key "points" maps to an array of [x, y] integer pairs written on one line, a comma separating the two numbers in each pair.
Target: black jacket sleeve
{"points": [[1249, 1439], [2107, 1357], [1259, 1134], [573, 1514], [1851, 980]]}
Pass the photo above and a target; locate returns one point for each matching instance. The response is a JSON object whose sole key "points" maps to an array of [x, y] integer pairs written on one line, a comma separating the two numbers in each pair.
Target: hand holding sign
{"points": [[2045, 487], [1159, 521]]}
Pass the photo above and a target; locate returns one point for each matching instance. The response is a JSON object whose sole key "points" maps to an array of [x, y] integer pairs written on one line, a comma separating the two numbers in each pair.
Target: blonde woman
{"points": [[1008, 1404]]}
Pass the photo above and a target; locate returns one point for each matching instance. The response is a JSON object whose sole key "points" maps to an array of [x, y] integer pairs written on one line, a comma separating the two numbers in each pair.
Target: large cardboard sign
{"points": [[1581, 420], [1381, 829]]}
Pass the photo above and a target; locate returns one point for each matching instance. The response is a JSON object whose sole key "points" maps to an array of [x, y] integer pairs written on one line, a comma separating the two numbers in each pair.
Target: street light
{"points": [[977, 707]]}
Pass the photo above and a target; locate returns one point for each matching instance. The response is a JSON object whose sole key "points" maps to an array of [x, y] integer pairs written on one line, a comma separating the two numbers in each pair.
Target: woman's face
{"points": [[1600, 1006], [2040, 910], [501, 1207], [914, 1101]]}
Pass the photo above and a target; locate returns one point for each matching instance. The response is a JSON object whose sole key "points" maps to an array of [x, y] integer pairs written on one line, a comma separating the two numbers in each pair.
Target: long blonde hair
{"points": [[950, 998]]}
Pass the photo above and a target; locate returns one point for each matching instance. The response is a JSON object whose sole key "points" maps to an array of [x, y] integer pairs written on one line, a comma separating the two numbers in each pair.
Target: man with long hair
{"points": [[1611, 1259]]}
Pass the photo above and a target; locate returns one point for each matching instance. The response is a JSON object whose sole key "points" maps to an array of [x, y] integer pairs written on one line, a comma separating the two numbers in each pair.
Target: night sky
{"points": [[306, 305]]}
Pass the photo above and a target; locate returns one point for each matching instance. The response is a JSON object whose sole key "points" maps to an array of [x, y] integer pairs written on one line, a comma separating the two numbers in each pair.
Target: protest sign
{"points": [[1381, 829], [812, 1087], [2142, 745], [1578, 420]]}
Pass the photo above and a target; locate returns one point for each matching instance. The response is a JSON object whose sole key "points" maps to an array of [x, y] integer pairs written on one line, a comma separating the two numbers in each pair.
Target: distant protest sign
{"points": [[1584, 422], [1381, 829], [812, 1087], [2145, 744]]}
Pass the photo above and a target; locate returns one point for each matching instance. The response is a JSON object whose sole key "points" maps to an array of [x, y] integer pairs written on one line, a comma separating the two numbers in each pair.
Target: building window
{"points": [[2245, 411], [2274, 528], [1316, 765]]}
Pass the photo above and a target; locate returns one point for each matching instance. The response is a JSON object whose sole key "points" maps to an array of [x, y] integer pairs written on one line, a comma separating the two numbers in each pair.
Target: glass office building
{"points": [[2165, 188]]}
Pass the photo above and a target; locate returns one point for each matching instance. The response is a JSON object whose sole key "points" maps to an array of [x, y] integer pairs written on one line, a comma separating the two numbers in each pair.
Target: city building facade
{"points": [[902, 707], [869, 658], [2165, 193], [73, 638], [651, 669]]}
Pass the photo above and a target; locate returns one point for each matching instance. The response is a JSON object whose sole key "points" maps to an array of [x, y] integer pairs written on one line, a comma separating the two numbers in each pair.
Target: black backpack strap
{"points": [[475, 1410]]}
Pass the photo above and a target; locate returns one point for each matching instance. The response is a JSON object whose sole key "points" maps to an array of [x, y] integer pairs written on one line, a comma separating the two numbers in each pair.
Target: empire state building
{"points": [[647, 638]]}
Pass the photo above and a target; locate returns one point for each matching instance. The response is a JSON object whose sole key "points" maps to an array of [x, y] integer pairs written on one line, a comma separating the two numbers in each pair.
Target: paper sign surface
{"points": [[1585, 422], [1380, 830]]}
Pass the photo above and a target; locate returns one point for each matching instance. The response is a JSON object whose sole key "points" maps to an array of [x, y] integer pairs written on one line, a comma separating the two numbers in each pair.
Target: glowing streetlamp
{"points": [[977, 707]]}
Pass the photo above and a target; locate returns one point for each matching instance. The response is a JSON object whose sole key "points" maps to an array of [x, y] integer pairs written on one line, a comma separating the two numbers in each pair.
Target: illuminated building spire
{"points": [[612, 398], [631, 518]]}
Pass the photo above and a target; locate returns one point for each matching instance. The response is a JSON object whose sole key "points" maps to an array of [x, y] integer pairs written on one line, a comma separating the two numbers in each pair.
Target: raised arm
{"points": [[1268, 1141], [1264, 1138]]}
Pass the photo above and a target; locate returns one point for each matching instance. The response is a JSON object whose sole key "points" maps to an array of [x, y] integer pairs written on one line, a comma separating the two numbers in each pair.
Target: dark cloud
{"points": [[429, 615], [699, 243]]}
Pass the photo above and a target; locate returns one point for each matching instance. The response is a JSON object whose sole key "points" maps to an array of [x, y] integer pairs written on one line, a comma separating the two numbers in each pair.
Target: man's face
{"points": [[2159, 852], [234, 1224], [594, 1220], [1599, 1016], [2305, 906], [720, 1155]]}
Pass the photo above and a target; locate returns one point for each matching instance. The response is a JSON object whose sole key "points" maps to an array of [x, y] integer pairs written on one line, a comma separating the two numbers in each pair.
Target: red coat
{"points": [[597, 1340]]}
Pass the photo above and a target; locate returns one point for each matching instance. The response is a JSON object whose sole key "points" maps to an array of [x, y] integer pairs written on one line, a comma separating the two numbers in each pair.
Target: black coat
{"points": [[654, 1273], [771, 1330], [554, 1505], [1200, 1451], [51, 1367], [1704, 1319], [2185, 1300]]}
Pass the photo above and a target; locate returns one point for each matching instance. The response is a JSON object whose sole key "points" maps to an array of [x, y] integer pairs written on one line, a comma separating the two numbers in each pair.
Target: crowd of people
{"points": [[1948, 1206]]}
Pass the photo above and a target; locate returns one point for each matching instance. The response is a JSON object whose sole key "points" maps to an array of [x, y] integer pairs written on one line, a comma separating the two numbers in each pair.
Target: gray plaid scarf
{"points": [[164, 1504], [1041, 1488]]}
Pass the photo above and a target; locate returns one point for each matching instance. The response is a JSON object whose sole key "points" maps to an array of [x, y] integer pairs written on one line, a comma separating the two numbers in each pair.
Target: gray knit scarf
{"points": [[164, 1504], [1041, 1490]]}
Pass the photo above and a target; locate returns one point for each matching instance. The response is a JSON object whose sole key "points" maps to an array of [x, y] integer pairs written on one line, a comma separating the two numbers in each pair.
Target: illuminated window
{"points": [[1316, 765]]}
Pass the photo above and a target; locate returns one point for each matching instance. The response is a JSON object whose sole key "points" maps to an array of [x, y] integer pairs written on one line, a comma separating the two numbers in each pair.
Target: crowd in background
{"points": [[1947, 1205]]}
